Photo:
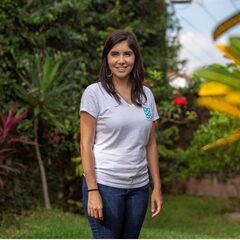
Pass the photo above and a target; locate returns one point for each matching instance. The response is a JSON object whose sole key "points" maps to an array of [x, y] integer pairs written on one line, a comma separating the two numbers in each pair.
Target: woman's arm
{"points": [[152, 156], [87, 133]]}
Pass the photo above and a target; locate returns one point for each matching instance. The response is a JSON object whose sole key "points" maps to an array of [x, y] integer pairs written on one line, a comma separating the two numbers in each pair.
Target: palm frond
{"points": [[45, 89], [36, 72], [50, 73]]}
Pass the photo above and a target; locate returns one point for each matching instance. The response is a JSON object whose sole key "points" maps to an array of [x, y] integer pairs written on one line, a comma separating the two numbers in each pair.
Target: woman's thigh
{"points": [[135, 211]]}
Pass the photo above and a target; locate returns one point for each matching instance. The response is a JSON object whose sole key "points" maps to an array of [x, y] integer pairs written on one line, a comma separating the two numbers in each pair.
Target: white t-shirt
{"points": [[122, 132]]}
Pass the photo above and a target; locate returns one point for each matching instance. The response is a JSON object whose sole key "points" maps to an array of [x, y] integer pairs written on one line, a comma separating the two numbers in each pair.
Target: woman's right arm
{"points": [[87, 133]]}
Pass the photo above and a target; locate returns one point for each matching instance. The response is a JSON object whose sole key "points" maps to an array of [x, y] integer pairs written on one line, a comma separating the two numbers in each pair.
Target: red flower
{"points": [[180, 101]]}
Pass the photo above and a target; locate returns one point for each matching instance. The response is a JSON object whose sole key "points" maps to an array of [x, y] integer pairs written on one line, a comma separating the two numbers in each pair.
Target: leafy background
{"points": [[49, 52]]}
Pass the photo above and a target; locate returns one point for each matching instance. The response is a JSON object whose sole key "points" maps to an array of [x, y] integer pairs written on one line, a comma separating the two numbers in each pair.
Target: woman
{"points": [[118, 143]]}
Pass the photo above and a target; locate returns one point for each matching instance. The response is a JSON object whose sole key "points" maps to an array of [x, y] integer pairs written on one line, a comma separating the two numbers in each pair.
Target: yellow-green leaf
{"points": [[213, 88], [233, 98], [220, 105], [222, 141], [229, 53]]}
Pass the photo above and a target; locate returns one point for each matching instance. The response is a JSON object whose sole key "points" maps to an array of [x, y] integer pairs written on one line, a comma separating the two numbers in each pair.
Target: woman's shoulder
{"points": [[96, 90], [93, 86], [147, 90]]}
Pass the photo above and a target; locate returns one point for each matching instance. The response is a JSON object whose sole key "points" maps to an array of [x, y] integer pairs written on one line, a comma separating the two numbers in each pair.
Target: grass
{"points": [[55, 223], [181, 217], [192, 217]]}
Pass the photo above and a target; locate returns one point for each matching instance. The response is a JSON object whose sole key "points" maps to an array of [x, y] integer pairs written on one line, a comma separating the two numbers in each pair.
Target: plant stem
{"points": [[41, 167]]}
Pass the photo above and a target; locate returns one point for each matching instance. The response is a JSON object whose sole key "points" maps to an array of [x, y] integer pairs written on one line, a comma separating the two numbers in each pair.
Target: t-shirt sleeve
{"points": [[89, 102], [153, 106]]}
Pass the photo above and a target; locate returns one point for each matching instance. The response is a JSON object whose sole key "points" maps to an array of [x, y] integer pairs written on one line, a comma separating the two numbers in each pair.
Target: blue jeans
{"points": [[123, 211]]}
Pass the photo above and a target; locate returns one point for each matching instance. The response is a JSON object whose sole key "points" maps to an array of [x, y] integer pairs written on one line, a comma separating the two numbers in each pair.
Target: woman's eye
{"points": [[114, 53]]}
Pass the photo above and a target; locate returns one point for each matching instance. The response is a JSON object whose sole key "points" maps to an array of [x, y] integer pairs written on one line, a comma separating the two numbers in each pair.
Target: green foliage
{"points": [[38, 38], [162, 91], [78, 166], [75, 172], [42, 88], [221, 92], [221, 74], [7, 220], [179, 163], [19, 186], [223, 161], [169, 136]]}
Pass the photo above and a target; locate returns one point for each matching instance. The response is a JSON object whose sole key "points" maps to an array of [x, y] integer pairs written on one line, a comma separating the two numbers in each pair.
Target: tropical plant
{"points": [[221, 89], [8, 136], [42, 89]]}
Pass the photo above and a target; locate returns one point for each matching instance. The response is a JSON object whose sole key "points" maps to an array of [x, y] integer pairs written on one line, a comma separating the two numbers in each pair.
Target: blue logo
{"points": [[148, 113]]}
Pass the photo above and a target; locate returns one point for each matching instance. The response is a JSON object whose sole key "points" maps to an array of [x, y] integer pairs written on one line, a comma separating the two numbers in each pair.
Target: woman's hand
{"points": [[95, 205], [156, 202]]}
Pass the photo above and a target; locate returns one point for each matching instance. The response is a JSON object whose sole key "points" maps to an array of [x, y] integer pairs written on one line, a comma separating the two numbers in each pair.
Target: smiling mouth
{"points": [[121, 69]]}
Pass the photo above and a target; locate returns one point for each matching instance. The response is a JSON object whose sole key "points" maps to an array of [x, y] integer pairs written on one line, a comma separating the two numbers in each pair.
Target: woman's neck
{"points": [[122, 84]]}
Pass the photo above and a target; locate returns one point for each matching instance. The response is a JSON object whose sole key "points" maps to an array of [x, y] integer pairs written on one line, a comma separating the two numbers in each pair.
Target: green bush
{"points": [[222, 162]]}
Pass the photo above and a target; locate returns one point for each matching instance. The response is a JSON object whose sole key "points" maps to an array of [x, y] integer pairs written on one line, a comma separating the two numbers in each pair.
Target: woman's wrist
{"points": [[157, 187], [93, 190]]}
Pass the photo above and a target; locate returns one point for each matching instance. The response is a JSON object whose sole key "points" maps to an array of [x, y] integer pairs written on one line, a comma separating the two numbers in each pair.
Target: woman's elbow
{"points": [[85, 147]]}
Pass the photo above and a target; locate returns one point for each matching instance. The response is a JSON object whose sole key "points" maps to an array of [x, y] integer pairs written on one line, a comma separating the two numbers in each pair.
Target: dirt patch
{"points": [[233, 216]]}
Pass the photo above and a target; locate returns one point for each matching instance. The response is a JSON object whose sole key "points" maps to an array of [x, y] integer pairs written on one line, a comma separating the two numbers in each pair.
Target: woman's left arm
{"points": [[153, 164]]}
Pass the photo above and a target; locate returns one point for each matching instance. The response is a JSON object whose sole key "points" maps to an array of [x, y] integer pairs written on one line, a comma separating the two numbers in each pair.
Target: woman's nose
{"points": [[121, 58]]}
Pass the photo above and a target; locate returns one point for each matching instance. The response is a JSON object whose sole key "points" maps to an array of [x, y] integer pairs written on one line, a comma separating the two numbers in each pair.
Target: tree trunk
{"points": [[41, 167]]}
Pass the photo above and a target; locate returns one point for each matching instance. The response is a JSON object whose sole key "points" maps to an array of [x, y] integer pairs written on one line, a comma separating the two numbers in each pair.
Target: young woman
{"points": [[118, 143]]}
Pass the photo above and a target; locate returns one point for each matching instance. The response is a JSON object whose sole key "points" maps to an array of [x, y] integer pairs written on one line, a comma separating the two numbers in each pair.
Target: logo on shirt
{"points": [[148, 113]]}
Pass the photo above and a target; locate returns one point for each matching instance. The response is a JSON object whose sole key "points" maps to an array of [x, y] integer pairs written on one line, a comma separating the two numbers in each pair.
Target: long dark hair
{"points": [[137, 73]]}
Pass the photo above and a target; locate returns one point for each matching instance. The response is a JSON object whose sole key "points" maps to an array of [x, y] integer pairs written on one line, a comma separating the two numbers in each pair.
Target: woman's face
{"points": [[121, 60]]}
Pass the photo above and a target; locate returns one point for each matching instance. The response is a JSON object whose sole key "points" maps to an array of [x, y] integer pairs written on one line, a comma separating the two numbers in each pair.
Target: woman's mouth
{"points": [[121, 69]]}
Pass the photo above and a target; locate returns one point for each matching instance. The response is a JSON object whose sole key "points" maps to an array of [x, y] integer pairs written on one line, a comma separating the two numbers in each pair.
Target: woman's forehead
{"points": [[121, 46]]}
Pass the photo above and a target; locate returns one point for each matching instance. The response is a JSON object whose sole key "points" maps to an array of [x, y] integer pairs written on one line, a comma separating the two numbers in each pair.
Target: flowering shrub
{"points": [[180, 101], [8, 136]]}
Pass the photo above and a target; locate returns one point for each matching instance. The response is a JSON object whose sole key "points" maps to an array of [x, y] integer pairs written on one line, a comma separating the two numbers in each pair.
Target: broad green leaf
{"points": [[220, 75], [235, 46]]}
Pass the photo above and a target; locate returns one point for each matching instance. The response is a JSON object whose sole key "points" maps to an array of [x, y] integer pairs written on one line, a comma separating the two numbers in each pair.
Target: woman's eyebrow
{"points": [[128, 51], [115, 51]]}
